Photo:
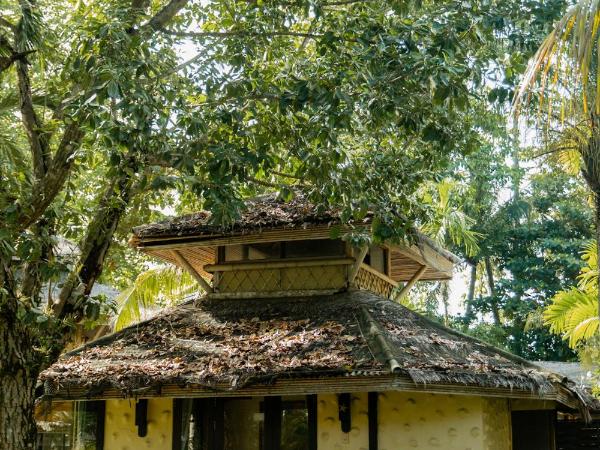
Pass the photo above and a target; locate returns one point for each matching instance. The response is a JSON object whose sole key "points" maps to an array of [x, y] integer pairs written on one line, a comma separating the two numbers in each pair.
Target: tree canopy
{"points": [[115, 112]]}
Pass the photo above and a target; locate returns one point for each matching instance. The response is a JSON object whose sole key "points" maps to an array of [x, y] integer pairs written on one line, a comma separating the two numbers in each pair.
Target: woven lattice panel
{"points": [[264, 280], [313, 277], [284, 279], [371, 282]]}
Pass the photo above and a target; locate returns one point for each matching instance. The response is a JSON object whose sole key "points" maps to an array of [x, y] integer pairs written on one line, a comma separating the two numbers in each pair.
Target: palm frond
{"points": [[565, 68], [574, 313], [450, 221], [588, 279], [28, 35], [153, 289], [557, 314]]}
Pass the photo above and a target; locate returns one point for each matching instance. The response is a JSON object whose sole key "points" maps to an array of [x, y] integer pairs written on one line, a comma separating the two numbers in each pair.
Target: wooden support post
{"points": [[273, 418], [373, 420], [186, 265], [356, 266], [311, 404], [408, 286]]}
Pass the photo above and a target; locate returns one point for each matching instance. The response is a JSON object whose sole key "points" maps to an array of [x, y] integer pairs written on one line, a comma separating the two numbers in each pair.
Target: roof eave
{"points": [[359, 381]]}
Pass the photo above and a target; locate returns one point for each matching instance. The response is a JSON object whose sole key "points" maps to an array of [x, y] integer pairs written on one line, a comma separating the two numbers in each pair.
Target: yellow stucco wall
{"points": [[419, 421], [496, 424], [329, 432], [120, 432]]}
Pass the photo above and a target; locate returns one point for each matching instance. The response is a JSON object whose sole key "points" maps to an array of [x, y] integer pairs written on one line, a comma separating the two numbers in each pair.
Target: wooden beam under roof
{"points": [[187, 266], [409, 285], [425, 255], [403, 260], [352, 382]]}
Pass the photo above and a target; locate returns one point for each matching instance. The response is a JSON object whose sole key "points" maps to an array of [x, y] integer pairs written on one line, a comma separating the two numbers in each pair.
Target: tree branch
{"points": [[46, 189], [263, 183], [165, 15], [7, 61], [224, 34], [38, 141], [31, 284], [268, 184], [100, 232], [344, 2], [140, 5], [287, 175]]}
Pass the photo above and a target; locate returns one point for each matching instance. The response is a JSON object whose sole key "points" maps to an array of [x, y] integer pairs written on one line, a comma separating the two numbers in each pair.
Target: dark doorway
{"points": [[533, 430]]}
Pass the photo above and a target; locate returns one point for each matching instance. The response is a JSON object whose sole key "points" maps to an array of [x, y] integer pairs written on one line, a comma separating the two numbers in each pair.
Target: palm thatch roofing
{"points": [[267, 212], [584, 375], [232, 345]]}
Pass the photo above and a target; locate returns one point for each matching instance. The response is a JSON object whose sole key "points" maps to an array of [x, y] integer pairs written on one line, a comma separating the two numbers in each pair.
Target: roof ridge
{"points": [[375, 331]]}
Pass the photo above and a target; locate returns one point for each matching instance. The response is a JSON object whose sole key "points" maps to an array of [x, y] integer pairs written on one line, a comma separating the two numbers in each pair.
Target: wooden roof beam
{"points": [[426, 256], [186, 265], [360, 257], [409, 285]]}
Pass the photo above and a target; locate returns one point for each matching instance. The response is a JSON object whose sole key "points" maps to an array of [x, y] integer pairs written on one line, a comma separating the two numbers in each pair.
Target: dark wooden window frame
{"points": [[283, 252], [272, 408], [98, 407]]}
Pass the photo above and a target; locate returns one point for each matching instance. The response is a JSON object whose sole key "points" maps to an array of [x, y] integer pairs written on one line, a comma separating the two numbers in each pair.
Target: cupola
{"points": [[280, 248]]}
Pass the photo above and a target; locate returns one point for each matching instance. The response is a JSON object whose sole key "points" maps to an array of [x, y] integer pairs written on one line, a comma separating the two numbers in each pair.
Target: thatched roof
{"points": [[583, 375], [265, 212], [237, 343], [268, 212]]}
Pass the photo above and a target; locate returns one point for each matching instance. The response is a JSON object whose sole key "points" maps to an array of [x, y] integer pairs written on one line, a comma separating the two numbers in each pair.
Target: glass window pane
{"points": [[294, 424], [243, 424], [55, 423], [239, 424], [87, 425], [270, 250], [377, 258], [235, 252]]}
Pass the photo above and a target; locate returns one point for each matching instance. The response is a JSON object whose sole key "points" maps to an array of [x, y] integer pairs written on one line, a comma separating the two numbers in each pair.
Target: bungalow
{"points": [[298, 343]]}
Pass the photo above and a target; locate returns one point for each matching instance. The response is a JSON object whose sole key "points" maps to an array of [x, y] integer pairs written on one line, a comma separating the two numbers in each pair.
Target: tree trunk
{"points": [[445, 300], [18, 375], [516, 175], [490, 276], [97, 242], [471, 293]]}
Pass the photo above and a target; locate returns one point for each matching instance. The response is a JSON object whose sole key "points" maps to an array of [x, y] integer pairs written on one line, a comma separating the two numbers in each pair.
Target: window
{"points": [[269, 423], [288, 249], [312, 248], [55, 425], [377, 258], [71, 426], [88, 432], [294, 424]]}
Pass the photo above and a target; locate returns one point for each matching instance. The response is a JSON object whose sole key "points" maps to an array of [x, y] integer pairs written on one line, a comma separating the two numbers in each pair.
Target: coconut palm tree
{"points": [[563, 79], [573, 313], [450, 225], [153, 289]]}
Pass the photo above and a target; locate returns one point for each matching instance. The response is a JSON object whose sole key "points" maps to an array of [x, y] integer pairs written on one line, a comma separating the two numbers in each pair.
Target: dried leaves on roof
{"points": [[236, 343], [265, 212]]}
